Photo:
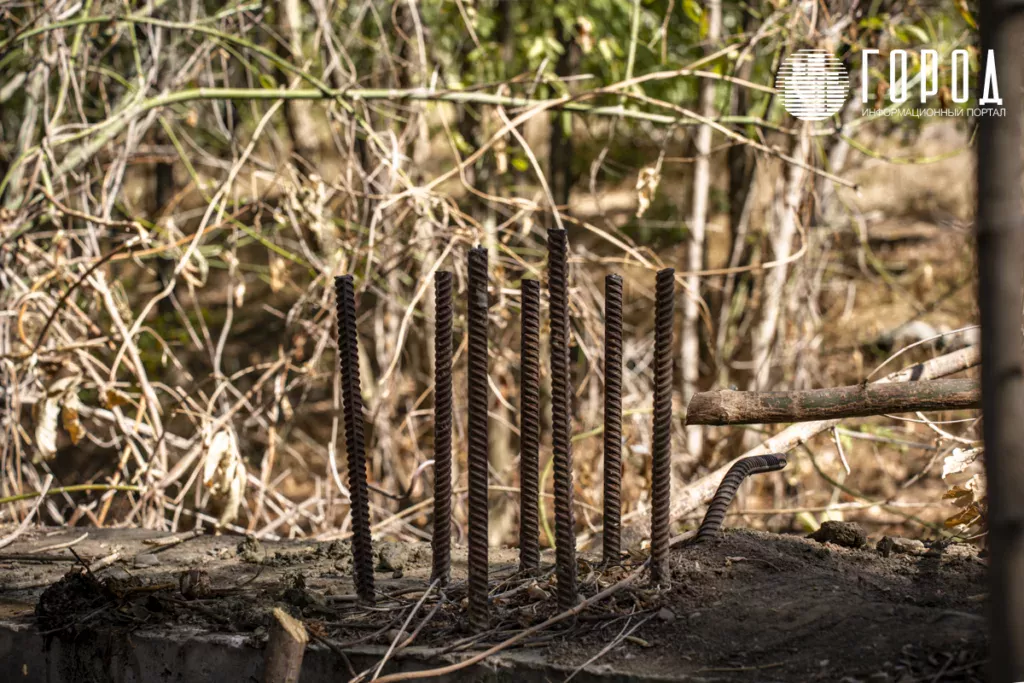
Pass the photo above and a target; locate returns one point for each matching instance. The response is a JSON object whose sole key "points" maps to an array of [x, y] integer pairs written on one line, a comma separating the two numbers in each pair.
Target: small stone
{"points": [[392, 557], [846, 534], [397, 574], [535, 592], [394, 635], [895, 544], [694, 616], [665, 614], [146, 560]]}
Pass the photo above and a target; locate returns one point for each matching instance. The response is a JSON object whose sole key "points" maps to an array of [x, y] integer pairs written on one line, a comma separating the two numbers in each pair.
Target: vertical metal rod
{"points": [[1000, 243], [612, 418], [661, 465], [478, 446], [352, 399], [561, 418], [441, 543], [529, 428]]}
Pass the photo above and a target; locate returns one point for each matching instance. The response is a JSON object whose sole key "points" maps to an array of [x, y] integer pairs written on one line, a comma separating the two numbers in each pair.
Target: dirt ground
{"points": [[748, 606]]}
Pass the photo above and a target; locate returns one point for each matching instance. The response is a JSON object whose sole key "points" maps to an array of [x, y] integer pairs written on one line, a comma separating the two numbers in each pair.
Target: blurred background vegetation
{"points": [[181, 180]]}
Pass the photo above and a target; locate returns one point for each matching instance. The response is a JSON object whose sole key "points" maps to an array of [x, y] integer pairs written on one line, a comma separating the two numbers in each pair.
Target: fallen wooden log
{"points": [[771, 407], [687, 499]]}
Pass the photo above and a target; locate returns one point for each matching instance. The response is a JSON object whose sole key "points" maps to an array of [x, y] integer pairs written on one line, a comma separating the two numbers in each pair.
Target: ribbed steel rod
{"points": [[529, 427], [441, 543], [477, 432], [612, 418], [661, 454], [756, 464], [352, 400], [561, 418]]}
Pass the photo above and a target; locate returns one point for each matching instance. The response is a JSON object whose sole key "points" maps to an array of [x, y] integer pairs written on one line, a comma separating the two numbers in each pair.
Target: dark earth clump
{"points": [[846, 534]]}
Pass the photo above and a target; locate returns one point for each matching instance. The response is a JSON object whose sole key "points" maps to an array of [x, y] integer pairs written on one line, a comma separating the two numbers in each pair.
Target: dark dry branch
{"points": [[769, 407]]}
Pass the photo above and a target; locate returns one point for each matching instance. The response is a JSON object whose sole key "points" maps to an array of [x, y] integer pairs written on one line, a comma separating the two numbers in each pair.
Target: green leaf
{"points": [[692, 9], [917, 32]]}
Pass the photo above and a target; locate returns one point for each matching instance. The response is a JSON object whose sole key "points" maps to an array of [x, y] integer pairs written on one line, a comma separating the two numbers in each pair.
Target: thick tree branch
{"points": [[770, 407]]}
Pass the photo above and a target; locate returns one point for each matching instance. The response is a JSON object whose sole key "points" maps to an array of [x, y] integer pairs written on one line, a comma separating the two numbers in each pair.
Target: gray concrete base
{"points": [[191, 655]]}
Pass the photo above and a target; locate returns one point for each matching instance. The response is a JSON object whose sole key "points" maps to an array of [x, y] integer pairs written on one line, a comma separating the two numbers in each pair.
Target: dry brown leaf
{"points": [[69, 418], [112, 398]]}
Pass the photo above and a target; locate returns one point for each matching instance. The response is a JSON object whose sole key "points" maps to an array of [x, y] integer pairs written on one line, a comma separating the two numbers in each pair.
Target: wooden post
{"points": [[1000, 235], [285, 649]]}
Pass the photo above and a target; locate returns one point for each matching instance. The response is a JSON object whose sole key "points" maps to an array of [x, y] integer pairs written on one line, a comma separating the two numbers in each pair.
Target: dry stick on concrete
{"points": [[770, 407], [522, 635], [693, 496], [285, 649]]}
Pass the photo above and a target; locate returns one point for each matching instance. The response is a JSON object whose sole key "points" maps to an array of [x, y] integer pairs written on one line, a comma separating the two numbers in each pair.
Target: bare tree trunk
{"points": [[787, 209], [690, 337], [1000, 234]]}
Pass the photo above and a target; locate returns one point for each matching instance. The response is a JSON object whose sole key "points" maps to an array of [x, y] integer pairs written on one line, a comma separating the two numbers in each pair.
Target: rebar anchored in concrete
{"points": [[529, 427], [352, 399], [441, 542], [661, 452], [478, 439], [756, 464], [561, 418], [612, 418]]}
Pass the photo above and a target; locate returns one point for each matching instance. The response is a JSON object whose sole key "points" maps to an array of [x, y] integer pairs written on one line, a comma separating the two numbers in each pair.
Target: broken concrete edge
{"points": [[192, 654]]}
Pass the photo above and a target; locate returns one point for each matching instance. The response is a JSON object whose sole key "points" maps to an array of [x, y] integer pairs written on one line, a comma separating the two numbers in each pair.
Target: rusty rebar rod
{"points": [[661, 452], [561, 418], [529, 428], [756, 464], [441, 543], [612, 418], [352, 399], [478, 439]]}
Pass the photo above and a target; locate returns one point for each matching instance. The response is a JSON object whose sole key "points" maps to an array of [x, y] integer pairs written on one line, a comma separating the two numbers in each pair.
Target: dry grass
{"points": [[166, 326]]}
